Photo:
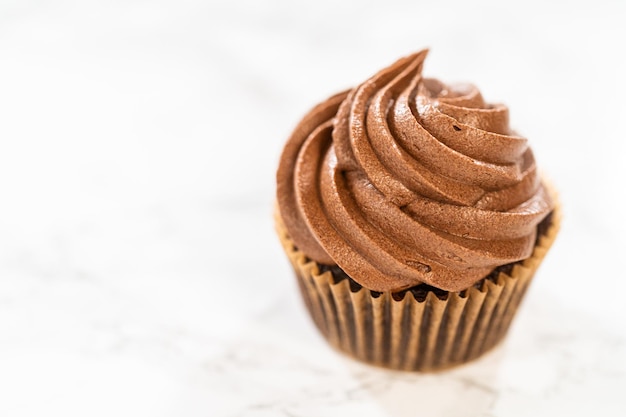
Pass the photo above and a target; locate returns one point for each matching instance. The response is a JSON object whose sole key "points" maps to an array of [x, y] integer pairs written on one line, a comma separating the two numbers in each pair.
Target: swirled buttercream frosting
{"points": [[405, 180]]}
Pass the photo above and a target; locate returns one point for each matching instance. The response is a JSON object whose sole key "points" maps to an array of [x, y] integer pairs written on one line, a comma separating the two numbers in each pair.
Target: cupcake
{"points": [[414, 219]]}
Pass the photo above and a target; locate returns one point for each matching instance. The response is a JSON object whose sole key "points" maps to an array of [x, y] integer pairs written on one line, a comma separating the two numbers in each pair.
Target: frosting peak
{"points": [[405, 180]]}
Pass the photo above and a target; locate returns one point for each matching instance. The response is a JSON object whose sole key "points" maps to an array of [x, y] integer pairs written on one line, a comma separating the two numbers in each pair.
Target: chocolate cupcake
{"points": [[414, 219]]}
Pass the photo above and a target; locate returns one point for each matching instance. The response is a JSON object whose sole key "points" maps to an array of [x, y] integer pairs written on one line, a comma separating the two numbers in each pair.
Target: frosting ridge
{"points": [[405, 180]]}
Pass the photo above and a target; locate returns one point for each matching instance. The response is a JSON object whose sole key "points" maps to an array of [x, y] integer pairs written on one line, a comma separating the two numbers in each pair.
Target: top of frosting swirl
{"points": [[405, 180]]}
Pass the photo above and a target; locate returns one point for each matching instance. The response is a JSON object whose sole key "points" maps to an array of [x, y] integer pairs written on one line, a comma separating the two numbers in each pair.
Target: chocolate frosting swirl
{"points": [[405, 180]]}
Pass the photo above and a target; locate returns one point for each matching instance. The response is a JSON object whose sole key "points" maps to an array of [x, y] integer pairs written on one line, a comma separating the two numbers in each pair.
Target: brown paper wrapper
{"points": [[407, 333]]}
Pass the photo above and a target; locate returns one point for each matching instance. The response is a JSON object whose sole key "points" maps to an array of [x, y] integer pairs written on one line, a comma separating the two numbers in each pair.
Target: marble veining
{"points": [[139, 270]]}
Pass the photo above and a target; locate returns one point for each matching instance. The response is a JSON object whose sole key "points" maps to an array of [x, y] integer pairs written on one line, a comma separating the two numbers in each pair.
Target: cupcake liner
{"points": [[408, 333]]}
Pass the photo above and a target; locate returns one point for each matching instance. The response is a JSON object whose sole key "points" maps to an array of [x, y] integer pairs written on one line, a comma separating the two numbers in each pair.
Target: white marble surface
{"points": [[139, 272]]}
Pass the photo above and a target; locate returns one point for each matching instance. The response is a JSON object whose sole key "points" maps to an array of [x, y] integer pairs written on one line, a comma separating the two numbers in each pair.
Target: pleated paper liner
{"points": [[423, 333]]}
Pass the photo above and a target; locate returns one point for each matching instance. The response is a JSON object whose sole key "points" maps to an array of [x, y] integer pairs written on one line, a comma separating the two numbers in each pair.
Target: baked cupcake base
{"points": [[421, 329]]}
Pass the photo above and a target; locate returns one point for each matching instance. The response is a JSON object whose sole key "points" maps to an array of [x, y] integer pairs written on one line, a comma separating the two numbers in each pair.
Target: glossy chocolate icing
{"points": [[405, 180]]}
